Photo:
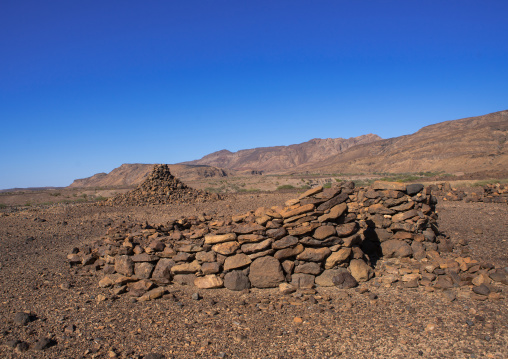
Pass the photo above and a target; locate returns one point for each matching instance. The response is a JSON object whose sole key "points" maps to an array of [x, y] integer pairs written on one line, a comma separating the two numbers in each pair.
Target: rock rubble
{"points": [[489, 193]]}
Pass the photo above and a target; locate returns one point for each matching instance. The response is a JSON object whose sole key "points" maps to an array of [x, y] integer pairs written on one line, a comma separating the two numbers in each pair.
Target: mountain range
{"points": [[469, 145]]}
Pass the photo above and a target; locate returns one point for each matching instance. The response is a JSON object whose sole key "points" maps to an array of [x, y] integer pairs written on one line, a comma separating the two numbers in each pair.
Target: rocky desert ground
{"points": [[52, 310]]}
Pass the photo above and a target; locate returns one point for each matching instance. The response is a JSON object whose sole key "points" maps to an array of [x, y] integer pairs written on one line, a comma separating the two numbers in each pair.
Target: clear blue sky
{"points": [[88, 85]]}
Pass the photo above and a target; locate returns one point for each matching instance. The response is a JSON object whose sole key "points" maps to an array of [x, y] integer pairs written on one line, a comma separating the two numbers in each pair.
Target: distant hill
{"points": [[282, 158], [134, 174], [469, 145], [29, 189], [474, 144]]}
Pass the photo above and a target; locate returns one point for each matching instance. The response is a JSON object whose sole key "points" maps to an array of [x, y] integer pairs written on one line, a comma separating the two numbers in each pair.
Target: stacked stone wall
{"points": [[325, 237]]}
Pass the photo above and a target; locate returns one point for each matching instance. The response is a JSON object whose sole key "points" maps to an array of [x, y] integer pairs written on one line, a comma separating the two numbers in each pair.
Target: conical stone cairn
{"points": [[161, 187]]}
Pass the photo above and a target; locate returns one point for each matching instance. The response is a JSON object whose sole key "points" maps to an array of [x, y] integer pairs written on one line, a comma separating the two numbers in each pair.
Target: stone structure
{"points": [[161, 187], [325, 237]]}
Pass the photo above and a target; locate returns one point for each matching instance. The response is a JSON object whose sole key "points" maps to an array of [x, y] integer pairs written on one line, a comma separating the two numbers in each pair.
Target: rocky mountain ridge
{"points": [[133, 174], [467, 145], [282, 158]]}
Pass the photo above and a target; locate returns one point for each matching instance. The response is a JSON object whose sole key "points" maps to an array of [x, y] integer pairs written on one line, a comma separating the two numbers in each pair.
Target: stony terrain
{"points": [[50, 309]]}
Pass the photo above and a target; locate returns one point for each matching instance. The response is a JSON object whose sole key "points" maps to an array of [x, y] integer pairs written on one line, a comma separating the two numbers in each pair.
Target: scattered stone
{"points": [[481, 289], [287, 288], [43, 343], [22, 318]]}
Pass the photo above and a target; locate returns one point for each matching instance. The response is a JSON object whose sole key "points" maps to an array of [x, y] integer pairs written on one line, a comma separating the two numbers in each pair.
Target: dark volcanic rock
{"points": [[236, 280]]}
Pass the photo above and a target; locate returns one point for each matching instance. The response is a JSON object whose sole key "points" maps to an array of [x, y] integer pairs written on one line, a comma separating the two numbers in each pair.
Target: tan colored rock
{"points": [[250, 238], [379, 208], [311, 192], [289, 252], [305, 228], [226, 248], [324, 232], [355, 239], [399, 217], [105, 282], [296, 211], [382, 185], [314, 254], [480, 279], [273, 213], [335, 212], [121, 280], [263, 219], [347, 229], [152, 294], [210, 268], [290, 202], [186, 268], [342, 255], [240, 217], [236, 261], [124, 265], [219, 238], [208, 282], [256, 247], [286, 288], [248, 228], [206, 256], [264, 253], [360, 270]]}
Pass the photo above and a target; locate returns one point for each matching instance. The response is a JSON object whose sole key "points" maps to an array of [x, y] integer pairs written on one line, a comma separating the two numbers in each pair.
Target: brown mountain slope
{"points": [[468, 145], [282, 158], [134, 174]]}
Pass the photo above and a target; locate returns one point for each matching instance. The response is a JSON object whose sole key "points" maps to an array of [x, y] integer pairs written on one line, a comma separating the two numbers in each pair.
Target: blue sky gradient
{"points": [[88, 85]]}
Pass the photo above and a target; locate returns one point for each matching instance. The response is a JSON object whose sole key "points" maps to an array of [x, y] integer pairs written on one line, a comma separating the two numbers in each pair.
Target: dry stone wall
{"points": [[325, 237]]}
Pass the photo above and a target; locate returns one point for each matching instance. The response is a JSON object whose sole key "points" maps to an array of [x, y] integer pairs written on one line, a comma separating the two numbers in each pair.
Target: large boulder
{"points": [[266, 272]]}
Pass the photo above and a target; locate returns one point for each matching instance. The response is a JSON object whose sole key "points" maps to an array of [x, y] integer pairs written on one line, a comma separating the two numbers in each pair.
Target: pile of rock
{"points": [[161, 187], [326, 237], [489, 193]]}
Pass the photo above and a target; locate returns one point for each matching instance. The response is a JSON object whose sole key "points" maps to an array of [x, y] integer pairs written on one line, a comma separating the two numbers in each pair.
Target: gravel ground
{"points": [[367, 322]]}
